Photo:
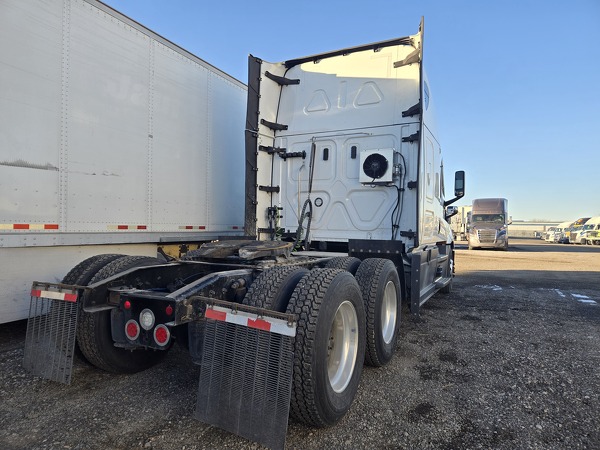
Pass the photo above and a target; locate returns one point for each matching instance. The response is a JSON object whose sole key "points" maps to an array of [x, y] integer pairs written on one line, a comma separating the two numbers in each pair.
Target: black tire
{"points": [[273, 288], [94, 329], [347, 263], [381, 293], [322, 391], [81, 275], [83, 272]]}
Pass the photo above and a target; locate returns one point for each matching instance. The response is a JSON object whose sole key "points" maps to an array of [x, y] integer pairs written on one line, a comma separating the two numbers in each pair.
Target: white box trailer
{"points": [[112, 140]]}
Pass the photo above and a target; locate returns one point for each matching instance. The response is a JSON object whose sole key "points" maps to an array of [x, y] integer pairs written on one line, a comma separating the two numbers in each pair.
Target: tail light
{"points": [[161, 335], [132, 330], [147, 319]]}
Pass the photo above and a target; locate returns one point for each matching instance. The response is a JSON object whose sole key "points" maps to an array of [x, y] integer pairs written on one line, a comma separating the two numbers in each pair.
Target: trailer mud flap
{"points": [[50, 337], [246, 362]]}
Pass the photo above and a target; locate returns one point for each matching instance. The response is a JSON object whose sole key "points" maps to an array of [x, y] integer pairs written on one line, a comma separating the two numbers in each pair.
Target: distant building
{"points": [[524, 228]]}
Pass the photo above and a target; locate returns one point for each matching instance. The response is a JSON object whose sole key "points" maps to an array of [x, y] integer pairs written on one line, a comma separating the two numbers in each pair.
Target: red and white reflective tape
{"points": [[203, 227], [127, 227], [28, 226], [55, 295], [270, 324]]}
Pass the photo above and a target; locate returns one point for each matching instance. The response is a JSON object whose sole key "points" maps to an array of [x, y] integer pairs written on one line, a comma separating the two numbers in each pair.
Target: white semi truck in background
{"points": [[489, 221], [345, 219], [112, 140], [459, 222]]}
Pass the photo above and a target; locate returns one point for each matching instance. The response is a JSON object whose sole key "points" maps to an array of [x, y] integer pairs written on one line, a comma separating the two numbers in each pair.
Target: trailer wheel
{"points": [[94, 329], [380, 286], [329, 347], [81, 275], [347, 263], [83, 272], [272, 289]]}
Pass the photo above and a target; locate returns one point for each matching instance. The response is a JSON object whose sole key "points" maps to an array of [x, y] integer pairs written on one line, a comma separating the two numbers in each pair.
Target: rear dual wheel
{"points": [[273, 288], [329, 346], [347, 263], [380, 287], [94, 336]]}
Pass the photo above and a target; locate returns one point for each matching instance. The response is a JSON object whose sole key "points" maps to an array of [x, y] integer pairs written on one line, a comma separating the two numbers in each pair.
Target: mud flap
{"points": [[246, 361], [50, 336]]}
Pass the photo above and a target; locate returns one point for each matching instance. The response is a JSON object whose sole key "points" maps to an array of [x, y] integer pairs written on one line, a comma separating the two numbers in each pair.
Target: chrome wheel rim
{"points": [[343, 347], [388, 312]]}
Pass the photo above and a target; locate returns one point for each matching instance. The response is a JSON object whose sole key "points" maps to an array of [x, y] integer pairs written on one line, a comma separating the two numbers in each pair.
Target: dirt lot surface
{"points": [[510, 359]]}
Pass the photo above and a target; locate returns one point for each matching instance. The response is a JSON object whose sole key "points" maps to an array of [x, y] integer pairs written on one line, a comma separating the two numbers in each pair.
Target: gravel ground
{"points": [[508, 360]]}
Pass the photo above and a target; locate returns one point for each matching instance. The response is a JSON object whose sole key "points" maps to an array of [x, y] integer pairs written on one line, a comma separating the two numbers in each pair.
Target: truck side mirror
{"points": [[459, 187], [459, 183]]}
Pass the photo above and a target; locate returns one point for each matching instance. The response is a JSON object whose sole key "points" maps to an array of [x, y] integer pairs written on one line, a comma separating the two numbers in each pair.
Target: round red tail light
{"points": [[161, 335], [132, 330]]}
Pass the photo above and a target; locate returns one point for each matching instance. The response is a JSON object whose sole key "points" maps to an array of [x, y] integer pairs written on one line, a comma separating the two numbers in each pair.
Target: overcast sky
{"points": [[517, 82]]}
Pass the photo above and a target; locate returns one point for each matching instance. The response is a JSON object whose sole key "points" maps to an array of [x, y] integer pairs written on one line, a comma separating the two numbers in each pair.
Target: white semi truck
{"points": [[488, 224], [112, 140], [345, 219]]}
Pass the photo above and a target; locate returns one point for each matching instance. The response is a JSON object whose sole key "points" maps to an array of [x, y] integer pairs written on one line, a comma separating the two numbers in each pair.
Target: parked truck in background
{"points": [[112, 140], [588, 234], [557, 235], [570, 233], [488, 227], [345, 219], [459, 222]]}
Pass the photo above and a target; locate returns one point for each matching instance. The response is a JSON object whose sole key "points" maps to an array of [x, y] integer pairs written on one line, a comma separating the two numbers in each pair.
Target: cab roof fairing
{"points": [[408, 40]]}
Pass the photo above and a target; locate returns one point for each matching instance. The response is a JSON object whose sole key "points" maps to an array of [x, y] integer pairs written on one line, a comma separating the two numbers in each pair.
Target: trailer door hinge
{"points": [[412, 185], [413, 137], [409, 234], [282, 81]]}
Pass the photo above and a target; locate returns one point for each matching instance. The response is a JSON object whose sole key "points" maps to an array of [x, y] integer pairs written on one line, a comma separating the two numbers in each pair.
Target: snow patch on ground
{"points": [[493, 287]]}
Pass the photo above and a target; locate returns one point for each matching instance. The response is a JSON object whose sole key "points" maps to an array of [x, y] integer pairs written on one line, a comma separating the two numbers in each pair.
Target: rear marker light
{"points": [[127, 304], [132, 330], [169, 310], [161, 335], [147, 319]]}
